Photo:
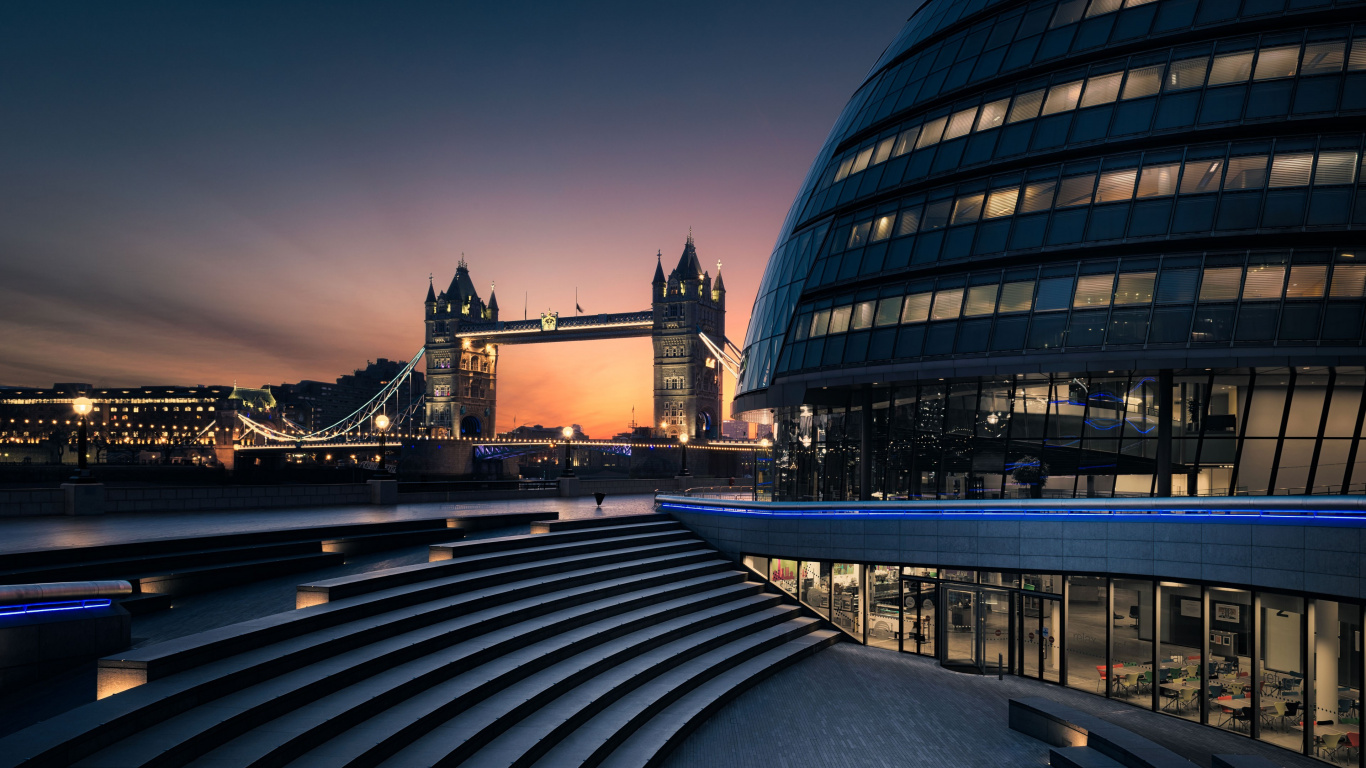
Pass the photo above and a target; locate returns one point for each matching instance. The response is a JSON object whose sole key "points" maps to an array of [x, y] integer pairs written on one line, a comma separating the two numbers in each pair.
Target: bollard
{"points": [[599, 496]]}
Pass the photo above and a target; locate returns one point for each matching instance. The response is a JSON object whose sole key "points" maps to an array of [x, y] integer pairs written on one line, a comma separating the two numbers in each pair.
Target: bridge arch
{"points": [[470, 426]]}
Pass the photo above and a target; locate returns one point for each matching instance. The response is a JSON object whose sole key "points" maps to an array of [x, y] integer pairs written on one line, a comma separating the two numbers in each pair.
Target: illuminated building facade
{"points": [[1078, 248], [687, 376], [461, 376]]}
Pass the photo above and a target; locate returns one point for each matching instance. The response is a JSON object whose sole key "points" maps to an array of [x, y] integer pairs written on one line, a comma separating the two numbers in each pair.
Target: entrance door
{"points": [[960, 647], [994, 629]]}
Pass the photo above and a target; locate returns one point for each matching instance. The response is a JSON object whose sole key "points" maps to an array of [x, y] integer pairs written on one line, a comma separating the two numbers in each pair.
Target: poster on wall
{"points": [[1190, 608], [1226, 612]]}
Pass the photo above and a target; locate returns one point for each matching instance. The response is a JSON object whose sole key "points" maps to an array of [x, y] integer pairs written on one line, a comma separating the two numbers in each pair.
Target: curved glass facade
{"points": [[1059, 232]]}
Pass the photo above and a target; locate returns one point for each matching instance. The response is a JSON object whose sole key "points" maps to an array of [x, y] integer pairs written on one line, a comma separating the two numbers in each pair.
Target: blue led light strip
{"points": [[65, 605]]}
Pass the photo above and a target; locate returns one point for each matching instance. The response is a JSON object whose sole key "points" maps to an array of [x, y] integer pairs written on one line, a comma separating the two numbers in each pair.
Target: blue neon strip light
{"points": [[64, 605]]}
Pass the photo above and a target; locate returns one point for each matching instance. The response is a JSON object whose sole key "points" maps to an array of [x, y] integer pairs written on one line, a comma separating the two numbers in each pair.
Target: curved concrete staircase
{"points": [[590, 646]]}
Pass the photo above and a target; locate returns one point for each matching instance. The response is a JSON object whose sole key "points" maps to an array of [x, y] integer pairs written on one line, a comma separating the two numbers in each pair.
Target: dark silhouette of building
{"points": [[316, 405]]}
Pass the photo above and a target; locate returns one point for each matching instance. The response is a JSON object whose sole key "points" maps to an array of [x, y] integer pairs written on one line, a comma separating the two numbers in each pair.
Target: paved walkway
{"points": [[30, 533], [855, 706]]}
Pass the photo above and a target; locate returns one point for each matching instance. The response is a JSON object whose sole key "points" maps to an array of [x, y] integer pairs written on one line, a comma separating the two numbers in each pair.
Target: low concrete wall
{"points": [[44, 501], [1321, 555], [30, 502]]}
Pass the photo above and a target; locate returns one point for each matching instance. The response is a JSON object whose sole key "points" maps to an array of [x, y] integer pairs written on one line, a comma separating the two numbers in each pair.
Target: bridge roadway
{"points": [[30, 533], [621, 325]]}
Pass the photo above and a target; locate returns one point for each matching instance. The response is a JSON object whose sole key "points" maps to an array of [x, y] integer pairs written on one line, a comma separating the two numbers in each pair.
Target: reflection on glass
{"points": [[1132, 637], [884, 606], [1281, 671], [1086, 617], [814, 586], [846, 579], [995, 628], [1179, 654], [918, 614], [1230, 657], [961, 630], [783, 574]]}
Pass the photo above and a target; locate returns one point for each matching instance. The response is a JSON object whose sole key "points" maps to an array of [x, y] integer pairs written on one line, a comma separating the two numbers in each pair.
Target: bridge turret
{"points": [[492, 312], [659, 283], [687, 377], [718, 289]]}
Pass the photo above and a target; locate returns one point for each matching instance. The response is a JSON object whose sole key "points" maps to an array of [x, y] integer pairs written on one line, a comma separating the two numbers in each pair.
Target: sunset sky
{"points": [[210, 192]]}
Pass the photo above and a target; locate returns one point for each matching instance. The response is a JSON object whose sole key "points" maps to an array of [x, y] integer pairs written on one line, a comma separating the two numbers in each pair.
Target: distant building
{"points": [[317, 405], [538, 432], [735, 430]]}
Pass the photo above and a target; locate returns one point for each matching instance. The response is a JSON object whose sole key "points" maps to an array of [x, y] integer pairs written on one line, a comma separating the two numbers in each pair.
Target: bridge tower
{"points": [[460, 378], [687, 377]]}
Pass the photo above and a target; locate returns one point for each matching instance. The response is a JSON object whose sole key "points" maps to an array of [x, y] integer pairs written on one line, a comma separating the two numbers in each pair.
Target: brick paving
{"points": [[855, 706], [29, 533]]}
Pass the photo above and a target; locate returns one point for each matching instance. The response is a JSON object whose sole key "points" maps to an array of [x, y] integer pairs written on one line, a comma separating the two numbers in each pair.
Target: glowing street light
{"points": [[382, 426], [683, 441], [83, 406], [568, 470]]}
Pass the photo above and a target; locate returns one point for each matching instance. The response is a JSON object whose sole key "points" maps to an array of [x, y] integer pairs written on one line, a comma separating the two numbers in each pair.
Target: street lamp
{"points": [[381, 426], [568, 471], [82, 406], [763, 443], [683, 441]]}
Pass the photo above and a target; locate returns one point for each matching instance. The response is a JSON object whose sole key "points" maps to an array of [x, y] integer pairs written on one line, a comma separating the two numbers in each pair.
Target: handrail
{"points": [[1238, 505]]}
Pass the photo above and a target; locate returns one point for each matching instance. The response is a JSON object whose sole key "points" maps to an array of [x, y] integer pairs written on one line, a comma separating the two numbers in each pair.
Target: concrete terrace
{"points": [[856, 707]]}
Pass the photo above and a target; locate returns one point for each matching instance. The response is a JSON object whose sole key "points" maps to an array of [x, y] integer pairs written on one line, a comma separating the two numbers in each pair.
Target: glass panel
{"points": [[1001, 202], [1038, 197], [909, 223], [861, 160], [888, 311], [1135, 288], [953, 574], [1322, 57], [1026, 106], [863, 315], [846, 583], [1231, 68], [1062, 98], [1202, 176], [967, 209], [981, 300], [884, 150], [1102, 89], [924, 628], [1143, 82], [905, 141], [1357, 61], [1307, 282], [1076, 191], [1246, 172], [884, 606], [1281, 672], [1086, 616], [1159, 180], [814, 587], [882, 228], [1054, 293], [1182, 627], [1335, 642], [947, 304], [993, 115], [1230, 657], [1133, 641], [995, 629], [1277, 62], [1093, 291], [1017, 297], [783, 574], [757, 564], [1187, 73], [931, 132], [839, 319], [1291, 170], [820, 323], [1050, 632], [859, 235], [1336, 168], [1116, 185], [1263, 282], [1031, 639], [917, 308], [1221, 283], [1349, 281], [960, 123], [961, 630]]}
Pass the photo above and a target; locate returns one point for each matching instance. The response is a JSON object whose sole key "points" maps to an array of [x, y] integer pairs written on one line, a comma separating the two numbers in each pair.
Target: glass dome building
{"points": [[1078, 248]]}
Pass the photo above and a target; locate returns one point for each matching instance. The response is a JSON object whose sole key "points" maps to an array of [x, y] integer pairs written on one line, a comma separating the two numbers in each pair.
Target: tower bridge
{"points": [[463, 333]]}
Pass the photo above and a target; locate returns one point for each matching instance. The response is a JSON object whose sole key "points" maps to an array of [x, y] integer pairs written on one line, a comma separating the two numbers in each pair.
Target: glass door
{"points": [[1029, 637], [961, 642], [994, 628]]}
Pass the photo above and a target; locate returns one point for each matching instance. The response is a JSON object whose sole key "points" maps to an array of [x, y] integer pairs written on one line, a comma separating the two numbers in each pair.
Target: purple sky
{"points": [[209, 192]]}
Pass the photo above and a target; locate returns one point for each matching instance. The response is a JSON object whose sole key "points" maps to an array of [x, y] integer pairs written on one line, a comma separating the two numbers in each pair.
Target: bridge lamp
{"points": [[382, 426], [568, 470], [683, 442], [83, 406]]}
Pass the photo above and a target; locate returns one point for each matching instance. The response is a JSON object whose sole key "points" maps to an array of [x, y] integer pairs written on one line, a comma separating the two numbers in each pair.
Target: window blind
{"points": [[1026, 106], [1246, 172], [947, 304], [1038, 197], [1276, 62], [1116, 185], [992, 115], [1322, 57], [1093, 291], [1001, 202], [931, 131], [1220, 283], [967, 209], [1102, 89], [1202, 176], [1263, 282], [981, 300], [1307, 282], [1062, 98], [1187, 73], [960, 123], [1158, 180], [1135, 288], [1143, 82], [1231, 68], [1291, 170], [1076, 190], [909, 222], [1017, 297], [1336, 168], [916, 308]]}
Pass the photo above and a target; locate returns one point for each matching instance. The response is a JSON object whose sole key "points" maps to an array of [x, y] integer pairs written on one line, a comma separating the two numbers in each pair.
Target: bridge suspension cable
{"points": [[729, 358]]}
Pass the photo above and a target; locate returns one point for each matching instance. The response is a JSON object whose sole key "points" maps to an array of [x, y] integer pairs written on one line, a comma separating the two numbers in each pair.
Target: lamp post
{"points": [[568, 471], [683, 441], [382, 426], [82, 406], [763, 443]]}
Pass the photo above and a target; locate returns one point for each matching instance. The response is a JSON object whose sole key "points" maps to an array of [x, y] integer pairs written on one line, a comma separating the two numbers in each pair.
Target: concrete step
{"points": [[607, 521], [478, 640], [592, 741], [654, 740], [149, 603], [132, 566], [202, 578], [218, 662], [357, 718], [461, 736], [350, 586], [1080, 757], [450, 551], [379, 542]]}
